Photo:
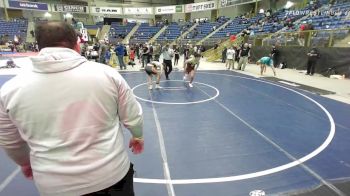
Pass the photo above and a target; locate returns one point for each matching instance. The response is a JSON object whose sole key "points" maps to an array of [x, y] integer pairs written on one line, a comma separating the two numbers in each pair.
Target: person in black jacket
{"points": [[313, 56], [223, 55], [275, 55]]}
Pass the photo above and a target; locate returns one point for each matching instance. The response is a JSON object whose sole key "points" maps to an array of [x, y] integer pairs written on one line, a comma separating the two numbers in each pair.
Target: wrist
{"points": [[137, 138]]}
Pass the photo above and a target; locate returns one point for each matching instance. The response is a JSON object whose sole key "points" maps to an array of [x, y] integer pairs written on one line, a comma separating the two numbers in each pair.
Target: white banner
{"points": [[138, 10], [228, 3], [70, 8], [166, 10], [106, 10], [84, 34], [203, 6]]}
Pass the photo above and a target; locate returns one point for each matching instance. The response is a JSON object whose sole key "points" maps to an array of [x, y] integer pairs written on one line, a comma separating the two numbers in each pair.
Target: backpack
{"points": [[283, 65]]}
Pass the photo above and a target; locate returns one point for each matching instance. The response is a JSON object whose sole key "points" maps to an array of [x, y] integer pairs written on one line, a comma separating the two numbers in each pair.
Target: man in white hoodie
{"points": [[62, 121]]}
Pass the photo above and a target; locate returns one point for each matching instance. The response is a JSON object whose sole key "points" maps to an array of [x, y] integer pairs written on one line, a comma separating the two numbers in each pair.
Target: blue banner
{"points": [[28, 5]]}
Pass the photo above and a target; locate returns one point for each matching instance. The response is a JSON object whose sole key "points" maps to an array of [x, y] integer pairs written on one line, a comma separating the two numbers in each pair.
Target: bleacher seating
{"points": [[93, 27], [145, 32], [119, 32], [329, 18], [16, 27], [202, 30], [173, 31], [237, 25]]}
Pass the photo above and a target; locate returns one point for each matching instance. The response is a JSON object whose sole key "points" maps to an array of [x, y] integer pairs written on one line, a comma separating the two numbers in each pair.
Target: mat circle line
{"points": [[177, 103], [259, 173]]}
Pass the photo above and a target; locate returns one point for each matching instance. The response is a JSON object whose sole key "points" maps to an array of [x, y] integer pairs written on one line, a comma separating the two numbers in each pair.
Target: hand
{"points": [[27, 172], [136, 145]]}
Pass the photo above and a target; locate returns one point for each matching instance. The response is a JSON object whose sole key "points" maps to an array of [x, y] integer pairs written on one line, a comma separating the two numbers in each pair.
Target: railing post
{"points": [[331, 39], [285, 41], [309, 33], [6, 13]]}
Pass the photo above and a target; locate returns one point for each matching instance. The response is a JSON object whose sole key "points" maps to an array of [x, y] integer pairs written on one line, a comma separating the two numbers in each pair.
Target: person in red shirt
{"points": [[132, 56]]}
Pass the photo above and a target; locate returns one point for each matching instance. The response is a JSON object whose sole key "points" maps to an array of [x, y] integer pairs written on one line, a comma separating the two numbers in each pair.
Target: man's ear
{"points": [[77, 46]]}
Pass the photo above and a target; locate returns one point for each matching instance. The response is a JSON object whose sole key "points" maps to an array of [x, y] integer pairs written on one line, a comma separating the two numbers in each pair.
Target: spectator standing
{"points": [[71, 142], [119, 50], [186, 52], [244, 54], [313, 56], [126, 54], [230, 58], [275, 55], [237, 50], [102, 52], [223, 55], [144, 55], [150, 54], [108, 56], [132, 56], [176, 56], [156, 52], [137, 50]]}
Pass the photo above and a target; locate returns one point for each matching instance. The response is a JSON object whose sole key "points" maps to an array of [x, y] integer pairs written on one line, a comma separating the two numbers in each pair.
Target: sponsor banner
{"points": [[70, 8], [203, 6], [228, 3], [84, 34], [138, 10], [28, 5], [106, 10], [169, 9]]}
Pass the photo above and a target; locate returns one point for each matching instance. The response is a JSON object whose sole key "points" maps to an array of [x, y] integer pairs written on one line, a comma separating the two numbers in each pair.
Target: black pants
{"points": [[156, 57], [275, 61], [223, 59], [176, 60], [124, 187], [311, 67], [168, 67], [149, 58]]}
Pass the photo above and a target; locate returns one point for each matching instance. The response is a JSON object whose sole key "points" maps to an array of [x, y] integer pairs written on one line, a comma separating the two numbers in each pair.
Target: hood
{"points": [[52, 60]]}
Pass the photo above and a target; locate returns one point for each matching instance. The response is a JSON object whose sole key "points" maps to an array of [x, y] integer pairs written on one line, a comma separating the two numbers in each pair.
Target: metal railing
{"points": [[214, 54], [317, 38]]}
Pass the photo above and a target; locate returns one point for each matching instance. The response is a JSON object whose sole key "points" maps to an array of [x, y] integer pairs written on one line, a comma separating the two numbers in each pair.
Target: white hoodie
{"points": [[69, 112]]}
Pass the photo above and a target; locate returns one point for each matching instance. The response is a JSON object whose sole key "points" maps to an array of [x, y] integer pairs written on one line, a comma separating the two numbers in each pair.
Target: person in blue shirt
{"points": [[266, 61], [120, 51], [108, 56]]}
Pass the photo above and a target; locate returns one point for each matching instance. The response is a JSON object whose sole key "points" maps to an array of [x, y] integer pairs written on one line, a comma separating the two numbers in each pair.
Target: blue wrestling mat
{"points": [[230, 135]]}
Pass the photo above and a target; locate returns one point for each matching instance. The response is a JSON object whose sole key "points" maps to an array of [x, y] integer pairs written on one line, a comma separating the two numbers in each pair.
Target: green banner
{"points": [[179, 9]]}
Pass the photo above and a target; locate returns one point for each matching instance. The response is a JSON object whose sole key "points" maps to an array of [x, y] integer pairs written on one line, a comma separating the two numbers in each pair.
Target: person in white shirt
{"points": [[168, 55], [230, 55], [153, 68], [62, 121]]}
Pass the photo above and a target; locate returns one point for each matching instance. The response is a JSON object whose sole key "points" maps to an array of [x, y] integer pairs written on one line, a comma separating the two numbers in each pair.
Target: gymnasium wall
{"points": [[296, 57], [203, 14], [37, 14], [134, 3], [2, 13], [14, 13], [236, 10], [178, 16]]}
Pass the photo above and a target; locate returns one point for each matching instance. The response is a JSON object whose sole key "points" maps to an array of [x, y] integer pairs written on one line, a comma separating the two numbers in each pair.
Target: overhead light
{"points": [[47, 15], [68, 15], [261, 11], [288, 5]]}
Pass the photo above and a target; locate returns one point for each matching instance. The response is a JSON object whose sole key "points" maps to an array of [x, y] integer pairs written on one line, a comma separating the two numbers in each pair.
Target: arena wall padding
{"points": [[331, 61]]}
